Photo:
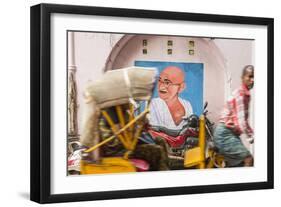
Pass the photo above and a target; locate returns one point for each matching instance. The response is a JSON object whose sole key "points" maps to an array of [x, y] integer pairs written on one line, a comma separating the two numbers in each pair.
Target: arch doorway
{"points": [[216, 82]]}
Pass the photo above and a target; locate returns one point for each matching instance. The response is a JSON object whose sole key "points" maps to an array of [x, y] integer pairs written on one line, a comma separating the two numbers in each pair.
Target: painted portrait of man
{"points": [[178, 93], [169, 110]]}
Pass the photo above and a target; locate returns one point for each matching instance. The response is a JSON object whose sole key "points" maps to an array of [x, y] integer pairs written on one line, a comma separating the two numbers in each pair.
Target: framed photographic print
{"points": [[132, 103]]}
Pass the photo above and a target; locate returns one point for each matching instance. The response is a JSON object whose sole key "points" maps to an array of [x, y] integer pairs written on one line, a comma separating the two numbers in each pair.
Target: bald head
{"points": [[174, 74], [171, 83]]}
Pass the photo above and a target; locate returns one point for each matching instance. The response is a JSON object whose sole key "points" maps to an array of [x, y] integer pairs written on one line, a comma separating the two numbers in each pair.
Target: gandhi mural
{"points": [[169, 110]]}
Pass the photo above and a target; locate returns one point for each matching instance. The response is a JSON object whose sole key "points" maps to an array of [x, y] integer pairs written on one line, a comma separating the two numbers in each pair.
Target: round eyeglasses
{"points": [[167, 83]]}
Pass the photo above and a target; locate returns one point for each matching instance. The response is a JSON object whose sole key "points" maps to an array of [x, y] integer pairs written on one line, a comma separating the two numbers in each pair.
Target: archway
{"points": [[217, 79]]}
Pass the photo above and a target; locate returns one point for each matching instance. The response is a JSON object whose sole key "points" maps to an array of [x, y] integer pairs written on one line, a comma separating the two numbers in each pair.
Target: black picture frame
{"points": [[41, 96]]}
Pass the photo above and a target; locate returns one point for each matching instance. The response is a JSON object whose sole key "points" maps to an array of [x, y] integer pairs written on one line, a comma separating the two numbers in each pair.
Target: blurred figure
{"points": [[234, 122]]}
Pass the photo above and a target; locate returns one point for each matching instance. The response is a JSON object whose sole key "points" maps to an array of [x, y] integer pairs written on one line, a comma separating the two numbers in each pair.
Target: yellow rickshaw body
{"points": [[107, 165]]}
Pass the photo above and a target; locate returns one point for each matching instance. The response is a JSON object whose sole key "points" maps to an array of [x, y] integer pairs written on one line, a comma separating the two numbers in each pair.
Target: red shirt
{"points": [[236, 111]]}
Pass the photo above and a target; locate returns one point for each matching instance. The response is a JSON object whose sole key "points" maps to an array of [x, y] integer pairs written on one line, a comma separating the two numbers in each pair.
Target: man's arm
{"points": [[187, 107]]}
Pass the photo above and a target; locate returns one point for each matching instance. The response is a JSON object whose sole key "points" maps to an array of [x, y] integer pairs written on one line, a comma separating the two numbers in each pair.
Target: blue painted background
{"points": [[193, 79]]}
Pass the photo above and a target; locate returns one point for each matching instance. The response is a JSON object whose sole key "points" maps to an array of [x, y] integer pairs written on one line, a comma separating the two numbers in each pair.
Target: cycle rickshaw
{"points": [[118, 110]]}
